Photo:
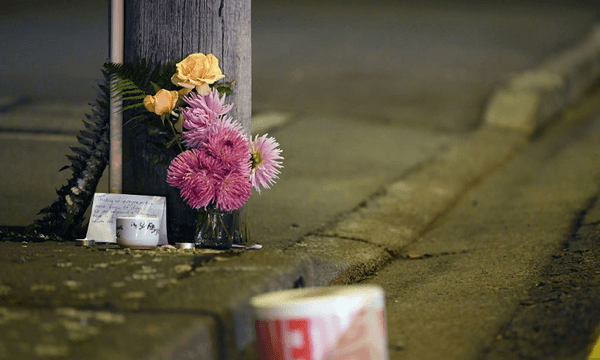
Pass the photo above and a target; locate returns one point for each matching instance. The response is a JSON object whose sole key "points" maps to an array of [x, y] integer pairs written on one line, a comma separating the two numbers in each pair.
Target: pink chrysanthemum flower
{"points": [[197, 175], [200, 189], [198, 136], [204, 110], [228, 145], [195, 118], [266, 161], [182, 167], [233, 190]]}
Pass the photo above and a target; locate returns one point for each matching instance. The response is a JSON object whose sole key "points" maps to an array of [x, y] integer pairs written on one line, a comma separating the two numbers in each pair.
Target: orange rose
{"points": [[197, 70], [163, 102]]}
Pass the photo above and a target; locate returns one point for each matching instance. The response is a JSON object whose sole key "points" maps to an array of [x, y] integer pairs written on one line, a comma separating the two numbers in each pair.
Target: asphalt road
{"points": [[412, 63], [510, 272], [426, 63]]}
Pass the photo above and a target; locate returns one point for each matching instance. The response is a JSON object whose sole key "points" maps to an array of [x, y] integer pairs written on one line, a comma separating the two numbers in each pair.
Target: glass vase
{"points": [[218, 229]]}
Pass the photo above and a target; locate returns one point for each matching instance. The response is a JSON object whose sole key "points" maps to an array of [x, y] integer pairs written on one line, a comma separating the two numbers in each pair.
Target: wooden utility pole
{"points": [[165, 30], [170, 30], [115, 175]]}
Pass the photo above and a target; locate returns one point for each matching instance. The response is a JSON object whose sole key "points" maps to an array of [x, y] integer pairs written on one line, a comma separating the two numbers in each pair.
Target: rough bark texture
{"points": [[165, 30]]}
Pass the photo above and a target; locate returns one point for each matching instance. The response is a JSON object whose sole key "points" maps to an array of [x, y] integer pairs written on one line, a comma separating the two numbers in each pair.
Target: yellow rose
{"points": [[197, 71], [163, 102]]}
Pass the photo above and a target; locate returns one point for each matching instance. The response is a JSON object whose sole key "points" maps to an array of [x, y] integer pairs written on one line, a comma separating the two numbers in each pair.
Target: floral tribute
{"points": [[217, 166]]}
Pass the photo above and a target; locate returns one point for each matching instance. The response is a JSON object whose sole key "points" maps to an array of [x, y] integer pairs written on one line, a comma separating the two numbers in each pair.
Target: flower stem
{"points": [[219, 216], [175, 134]]}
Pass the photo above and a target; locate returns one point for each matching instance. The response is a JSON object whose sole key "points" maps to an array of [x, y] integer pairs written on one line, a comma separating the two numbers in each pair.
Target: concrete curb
{"points": [[409, 206], [44, 117], [528, 101]]}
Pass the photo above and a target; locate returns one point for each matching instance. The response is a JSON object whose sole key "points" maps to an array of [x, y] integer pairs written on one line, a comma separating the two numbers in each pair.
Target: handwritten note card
{"points": [[107, 208]]}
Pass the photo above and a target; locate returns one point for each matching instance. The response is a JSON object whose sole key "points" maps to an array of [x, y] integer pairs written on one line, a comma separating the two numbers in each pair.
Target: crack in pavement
{"points": [[427, 255]]}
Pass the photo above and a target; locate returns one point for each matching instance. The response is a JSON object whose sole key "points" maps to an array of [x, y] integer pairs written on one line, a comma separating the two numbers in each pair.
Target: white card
{"points": [[107, 208]]}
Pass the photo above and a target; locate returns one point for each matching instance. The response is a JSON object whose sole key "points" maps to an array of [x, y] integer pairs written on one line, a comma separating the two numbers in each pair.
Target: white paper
{"points": [[107, 208]]}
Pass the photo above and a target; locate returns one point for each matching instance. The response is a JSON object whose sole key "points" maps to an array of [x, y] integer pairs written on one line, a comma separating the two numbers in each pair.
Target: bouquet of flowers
{"points": [[217, 164]]}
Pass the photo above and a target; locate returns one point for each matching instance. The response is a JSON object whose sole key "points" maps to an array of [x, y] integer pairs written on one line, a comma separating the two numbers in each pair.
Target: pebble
{"points": [[147, 270], [82, 316], [118, 262], [71, 284], [51, 350], [110, 318], [134, 295], [183, 268], [42, 287], [92, 295], [164, 283]]}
